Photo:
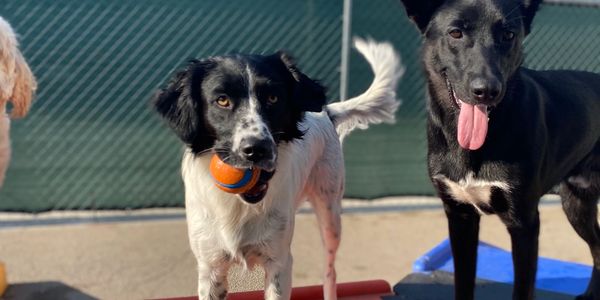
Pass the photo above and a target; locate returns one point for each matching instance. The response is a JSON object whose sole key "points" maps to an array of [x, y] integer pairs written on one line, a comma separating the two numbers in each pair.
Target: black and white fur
{"points": [[277, 120], [542, 127]]}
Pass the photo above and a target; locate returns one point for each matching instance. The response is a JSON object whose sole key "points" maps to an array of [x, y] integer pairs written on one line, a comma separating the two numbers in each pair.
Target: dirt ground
{"points": [[151, 259]]}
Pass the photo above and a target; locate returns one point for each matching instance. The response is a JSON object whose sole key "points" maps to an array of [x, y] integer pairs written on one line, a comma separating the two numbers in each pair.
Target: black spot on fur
{"points": [[277, 282]]}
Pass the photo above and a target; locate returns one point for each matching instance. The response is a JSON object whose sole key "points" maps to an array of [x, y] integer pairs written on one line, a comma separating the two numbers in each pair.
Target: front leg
{"points": [[278, 281], [212, 281], [524, 232], [463, 225], [4, 145]]}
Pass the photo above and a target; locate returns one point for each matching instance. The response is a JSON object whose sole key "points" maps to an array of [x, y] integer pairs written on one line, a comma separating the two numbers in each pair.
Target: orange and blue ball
{"points": [[231, 179]]}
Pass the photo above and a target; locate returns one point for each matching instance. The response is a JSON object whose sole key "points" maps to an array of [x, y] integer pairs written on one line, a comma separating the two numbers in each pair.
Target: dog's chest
{"points": [[472, 190]]}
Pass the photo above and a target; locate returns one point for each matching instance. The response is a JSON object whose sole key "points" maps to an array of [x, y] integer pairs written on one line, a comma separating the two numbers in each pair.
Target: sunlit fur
{"points": [[17, 85], [224, 230]]}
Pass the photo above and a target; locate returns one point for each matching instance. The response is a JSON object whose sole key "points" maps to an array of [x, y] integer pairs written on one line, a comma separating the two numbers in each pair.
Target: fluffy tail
{"points": [[378, 103]]}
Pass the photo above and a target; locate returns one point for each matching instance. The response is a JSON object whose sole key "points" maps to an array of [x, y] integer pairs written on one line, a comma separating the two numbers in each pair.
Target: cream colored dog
{"points": [[17, 85]]}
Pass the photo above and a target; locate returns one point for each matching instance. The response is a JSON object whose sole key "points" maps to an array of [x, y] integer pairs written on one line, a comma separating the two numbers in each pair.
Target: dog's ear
{"points": [[181, 105], [17, 83], [421, 11], [308, 93], [7, 61], [529, 9], [24, 88]]}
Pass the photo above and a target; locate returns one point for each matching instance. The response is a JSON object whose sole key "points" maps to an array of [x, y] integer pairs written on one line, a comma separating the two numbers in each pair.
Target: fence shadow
{"points": [[439, 286], [45, 290]]}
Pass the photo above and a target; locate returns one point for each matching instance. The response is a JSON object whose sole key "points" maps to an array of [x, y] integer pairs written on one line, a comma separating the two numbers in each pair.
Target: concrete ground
{"points": [[146, 255]]}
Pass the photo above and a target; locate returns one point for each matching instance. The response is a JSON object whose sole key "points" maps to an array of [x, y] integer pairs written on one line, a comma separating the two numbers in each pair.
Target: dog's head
{"points": [[240, 107], [17, 83], [472, 47]]}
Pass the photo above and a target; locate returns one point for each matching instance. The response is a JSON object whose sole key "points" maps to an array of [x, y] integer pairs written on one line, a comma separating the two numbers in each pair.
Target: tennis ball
{"points": [[231, 179]]}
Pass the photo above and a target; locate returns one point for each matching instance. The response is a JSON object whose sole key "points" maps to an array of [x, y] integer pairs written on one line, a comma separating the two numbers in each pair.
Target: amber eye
{"points": [[223, 101], [455, 33], [272, 99], [508, 35]]}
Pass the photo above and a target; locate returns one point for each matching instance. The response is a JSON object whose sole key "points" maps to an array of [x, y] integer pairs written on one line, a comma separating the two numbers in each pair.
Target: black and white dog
{"points": [[500, 135], [261, 111]]}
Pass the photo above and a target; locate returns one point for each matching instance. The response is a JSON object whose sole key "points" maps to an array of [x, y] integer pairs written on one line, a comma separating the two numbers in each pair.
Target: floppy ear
{"points": [[181, 105], [24, 87], [8, 43], [421, 11], [308, 93], [17, 84], [529, 9]]}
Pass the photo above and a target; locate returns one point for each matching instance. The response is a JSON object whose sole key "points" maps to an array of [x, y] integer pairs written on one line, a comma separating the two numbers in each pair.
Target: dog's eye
{"points": [[272, 99], [508, 35], [456, 33], [223, 101]]}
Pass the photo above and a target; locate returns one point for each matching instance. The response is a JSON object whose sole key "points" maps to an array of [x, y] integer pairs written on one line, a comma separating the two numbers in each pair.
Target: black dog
{"points": [[500, 136]]}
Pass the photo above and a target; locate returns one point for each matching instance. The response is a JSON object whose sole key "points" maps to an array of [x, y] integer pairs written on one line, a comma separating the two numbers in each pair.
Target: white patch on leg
{"points": [[580, 182], [471, 190]]}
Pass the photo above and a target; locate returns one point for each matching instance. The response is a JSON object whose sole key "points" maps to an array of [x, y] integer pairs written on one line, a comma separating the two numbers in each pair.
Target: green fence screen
{"points": [[92, 141]]}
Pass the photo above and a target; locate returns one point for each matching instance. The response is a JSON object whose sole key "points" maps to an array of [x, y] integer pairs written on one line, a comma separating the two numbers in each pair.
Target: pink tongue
{"points": [[472, 125]]}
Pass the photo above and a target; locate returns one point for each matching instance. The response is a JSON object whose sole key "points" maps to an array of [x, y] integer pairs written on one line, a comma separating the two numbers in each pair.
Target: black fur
{"points": [[178, 105], [543, 130]]}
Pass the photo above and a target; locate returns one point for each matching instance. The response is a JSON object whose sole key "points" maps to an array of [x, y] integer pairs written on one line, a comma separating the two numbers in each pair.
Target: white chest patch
{"points": [[472, 190]]}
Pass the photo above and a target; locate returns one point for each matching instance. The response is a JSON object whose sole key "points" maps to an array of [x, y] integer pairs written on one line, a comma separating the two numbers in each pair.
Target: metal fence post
{"points": [[347, 21]]}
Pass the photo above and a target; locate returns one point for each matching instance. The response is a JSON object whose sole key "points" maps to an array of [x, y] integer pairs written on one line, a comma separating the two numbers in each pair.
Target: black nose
{"points": [[485, 90], [256, 150]]}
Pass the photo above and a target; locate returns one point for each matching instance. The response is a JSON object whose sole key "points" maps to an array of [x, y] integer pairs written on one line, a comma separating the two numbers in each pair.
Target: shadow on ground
{"points": [[439, 286], [48, 290]]}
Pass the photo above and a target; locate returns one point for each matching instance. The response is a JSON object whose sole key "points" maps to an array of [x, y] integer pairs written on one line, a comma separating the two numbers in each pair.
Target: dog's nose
{"points": [[485, 90], [256, 150]]}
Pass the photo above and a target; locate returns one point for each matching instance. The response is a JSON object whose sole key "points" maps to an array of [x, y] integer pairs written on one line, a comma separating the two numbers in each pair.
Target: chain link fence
{"points": [[93, 142]]}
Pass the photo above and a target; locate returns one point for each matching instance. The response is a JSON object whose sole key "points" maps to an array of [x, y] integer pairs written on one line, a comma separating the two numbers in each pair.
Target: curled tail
{"points": [[378, 103]]}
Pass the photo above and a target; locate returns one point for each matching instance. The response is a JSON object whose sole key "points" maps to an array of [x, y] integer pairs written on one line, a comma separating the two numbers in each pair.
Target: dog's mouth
{"points": [[472, 120], [258, 192]]}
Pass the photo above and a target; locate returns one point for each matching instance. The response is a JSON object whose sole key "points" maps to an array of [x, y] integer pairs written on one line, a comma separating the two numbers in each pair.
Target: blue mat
{"points": [[495, 264]]}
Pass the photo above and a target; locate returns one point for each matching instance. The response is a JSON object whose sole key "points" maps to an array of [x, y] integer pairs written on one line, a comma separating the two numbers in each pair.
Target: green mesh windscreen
{"points": [[92, 141]]}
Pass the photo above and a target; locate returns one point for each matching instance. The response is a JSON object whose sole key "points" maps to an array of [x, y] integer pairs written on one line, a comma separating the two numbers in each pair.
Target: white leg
{"points": [[329, 218], [278, 281], [212, 281]]}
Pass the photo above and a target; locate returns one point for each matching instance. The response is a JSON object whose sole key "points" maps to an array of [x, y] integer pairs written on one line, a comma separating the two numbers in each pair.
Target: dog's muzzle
{"points": [[472, 121], [261, 153]]}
